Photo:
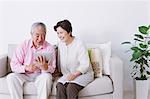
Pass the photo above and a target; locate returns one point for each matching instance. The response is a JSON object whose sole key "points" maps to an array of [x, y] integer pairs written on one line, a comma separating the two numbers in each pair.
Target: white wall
{"points": [[93, 21]]}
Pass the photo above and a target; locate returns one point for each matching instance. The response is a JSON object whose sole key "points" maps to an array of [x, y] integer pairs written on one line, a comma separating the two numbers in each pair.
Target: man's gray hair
{"points": [[38, 24]]}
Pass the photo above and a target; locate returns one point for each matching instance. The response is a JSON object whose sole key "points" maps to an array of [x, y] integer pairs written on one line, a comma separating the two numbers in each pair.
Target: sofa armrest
{"points": [[3, 65], [116, 66]]}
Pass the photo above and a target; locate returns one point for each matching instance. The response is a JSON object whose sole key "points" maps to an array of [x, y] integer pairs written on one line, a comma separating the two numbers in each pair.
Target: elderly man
{"points": [[27, 67]]}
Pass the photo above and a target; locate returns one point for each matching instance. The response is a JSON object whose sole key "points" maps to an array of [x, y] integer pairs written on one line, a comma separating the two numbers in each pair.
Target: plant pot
{"points": [[142, 87]]}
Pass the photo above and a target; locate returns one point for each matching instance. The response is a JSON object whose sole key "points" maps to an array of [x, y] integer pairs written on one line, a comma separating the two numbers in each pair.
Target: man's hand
{"points": [[31, 68], [42, 63]]}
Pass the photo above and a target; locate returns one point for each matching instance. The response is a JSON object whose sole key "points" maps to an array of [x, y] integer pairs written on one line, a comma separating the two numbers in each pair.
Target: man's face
{"points": [[38, 36]]}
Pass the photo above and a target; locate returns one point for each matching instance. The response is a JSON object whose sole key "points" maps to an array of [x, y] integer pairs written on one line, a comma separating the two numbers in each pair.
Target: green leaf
{"points": [[141, 70], [134, 74], [149, 26], [126, 43], [136, 55], [134, 48], [139, 36], [143, 45], [148, 72], [138, 61], [148, 31], [147, 64], [138, 40], [134, 66], [149, 42], [146, 53], [143, 29], [141, 78]]}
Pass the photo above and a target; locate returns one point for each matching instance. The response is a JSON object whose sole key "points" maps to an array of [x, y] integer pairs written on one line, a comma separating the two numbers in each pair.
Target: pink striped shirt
{"points": [[24, 55]]}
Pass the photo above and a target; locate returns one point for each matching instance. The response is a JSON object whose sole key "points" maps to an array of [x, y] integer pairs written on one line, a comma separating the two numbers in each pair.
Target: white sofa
{"points": [[107, 87]]}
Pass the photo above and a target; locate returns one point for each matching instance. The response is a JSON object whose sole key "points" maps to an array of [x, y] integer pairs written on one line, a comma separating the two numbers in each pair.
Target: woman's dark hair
{"points": [[65, 24]]}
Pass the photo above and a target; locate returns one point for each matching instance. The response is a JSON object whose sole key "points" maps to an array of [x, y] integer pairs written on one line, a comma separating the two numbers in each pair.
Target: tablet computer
{"points": [[46, 55]]}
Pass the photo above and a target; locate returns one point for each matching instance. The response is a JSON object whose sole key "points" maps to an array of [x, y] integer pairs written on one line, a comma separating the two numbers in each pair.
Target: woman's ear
{"points": [[70, 34]]}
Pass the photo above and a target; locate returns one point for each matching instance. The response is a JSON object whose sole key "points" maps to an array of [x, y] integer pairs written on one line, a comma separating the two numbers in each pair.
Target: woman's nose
{"points": [[59, 35]]}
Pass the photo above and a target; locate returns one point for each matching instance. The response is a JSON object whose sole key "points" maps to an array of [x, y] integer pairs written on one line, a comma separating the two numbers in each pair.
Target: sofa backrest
{"points": [[11, 49], [105, 48]]}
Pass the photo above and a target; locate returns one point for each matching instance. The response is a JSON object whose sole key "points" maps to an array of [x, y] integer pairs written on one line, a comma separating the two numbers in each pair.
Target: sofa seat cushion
{"points": [[97, 87], [3, 86], [29, 87]]}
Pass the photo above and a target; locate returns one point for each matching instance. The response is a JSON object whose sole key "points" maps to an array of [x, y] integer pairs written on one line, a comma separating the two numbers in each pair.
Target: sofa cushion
{"points": [[3, 86], [106, 54], [97, 87], [96, 61]]}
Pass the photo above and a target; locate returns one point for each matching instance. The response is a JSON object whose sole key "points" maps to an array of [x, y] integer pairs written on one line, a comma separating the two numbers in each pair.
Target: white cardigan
{"points": [[74, 57]]}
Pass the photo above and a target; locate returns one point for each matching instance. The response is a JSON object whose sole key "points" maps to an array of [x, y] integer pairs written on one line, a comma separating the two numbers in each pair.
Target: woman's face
{"points": [[63, 35]]}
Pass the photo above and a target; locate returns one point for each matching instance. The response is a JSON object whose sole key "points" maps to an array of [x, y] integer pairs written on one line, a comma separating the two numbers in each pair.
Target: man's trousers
{"points": [[43, 83]]}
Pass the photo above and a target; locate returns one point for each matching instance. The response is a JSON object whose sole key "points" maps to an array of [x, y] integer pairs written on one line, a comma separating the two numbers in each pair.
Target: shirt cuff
{"points": [[44, 71]]}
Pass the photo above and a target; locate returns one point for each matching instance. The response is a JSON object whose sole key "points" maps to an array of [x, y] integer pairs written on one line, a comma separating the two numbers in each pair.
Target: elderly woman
{"points": [[74, 62]]}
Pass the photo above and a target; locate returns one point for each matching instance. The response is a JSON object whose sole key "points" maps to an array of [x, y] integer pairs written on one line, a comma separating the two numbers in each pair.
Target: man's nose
{"points": [[40, 38]]}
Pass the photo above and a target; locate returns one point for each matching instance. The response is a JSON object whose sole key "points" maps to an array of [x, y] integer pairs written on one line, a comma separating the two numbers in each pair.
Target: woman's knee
{"points": [[59, 85], [70, 87]]}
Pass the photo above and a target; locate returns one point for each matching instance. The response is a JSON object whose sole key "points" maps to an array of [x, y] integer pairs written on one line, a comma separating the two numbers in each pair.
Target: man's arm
{"points": [[17, 61]]}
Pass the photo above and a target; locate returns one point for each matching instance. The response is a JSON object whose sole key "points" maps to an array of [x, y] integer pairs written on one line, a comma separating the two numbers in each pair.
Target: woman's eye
{"points": [[61, 33]]}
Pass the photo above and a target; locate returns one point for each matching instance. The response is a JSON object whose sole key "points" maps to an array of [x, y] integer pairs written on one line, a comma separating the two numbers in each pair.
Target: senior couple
{"points": [[74, 63]]}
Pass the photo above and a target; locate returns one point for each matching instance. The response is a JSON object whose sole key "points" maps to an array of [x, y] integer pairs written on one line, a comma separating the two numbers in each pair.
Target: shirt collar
{"points": [[41, 47]]}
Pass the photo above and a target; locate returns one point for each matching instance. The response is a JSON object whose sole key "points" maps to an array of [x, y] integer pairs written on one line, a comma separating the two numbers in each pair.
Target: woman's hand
{"points": [[73, 75], [42, 63]]}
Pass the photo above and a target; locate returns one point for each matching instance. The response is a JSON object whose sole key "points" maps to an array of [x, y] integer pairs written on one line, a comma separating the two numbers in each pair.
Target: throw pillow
{"points": [[106, 54], [96, 61]]}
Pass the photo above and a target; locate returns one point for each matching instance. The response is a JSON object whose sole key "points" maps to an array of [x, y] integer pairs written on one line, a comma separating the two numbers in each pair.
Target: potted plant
{"points": [[140, 57]]}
